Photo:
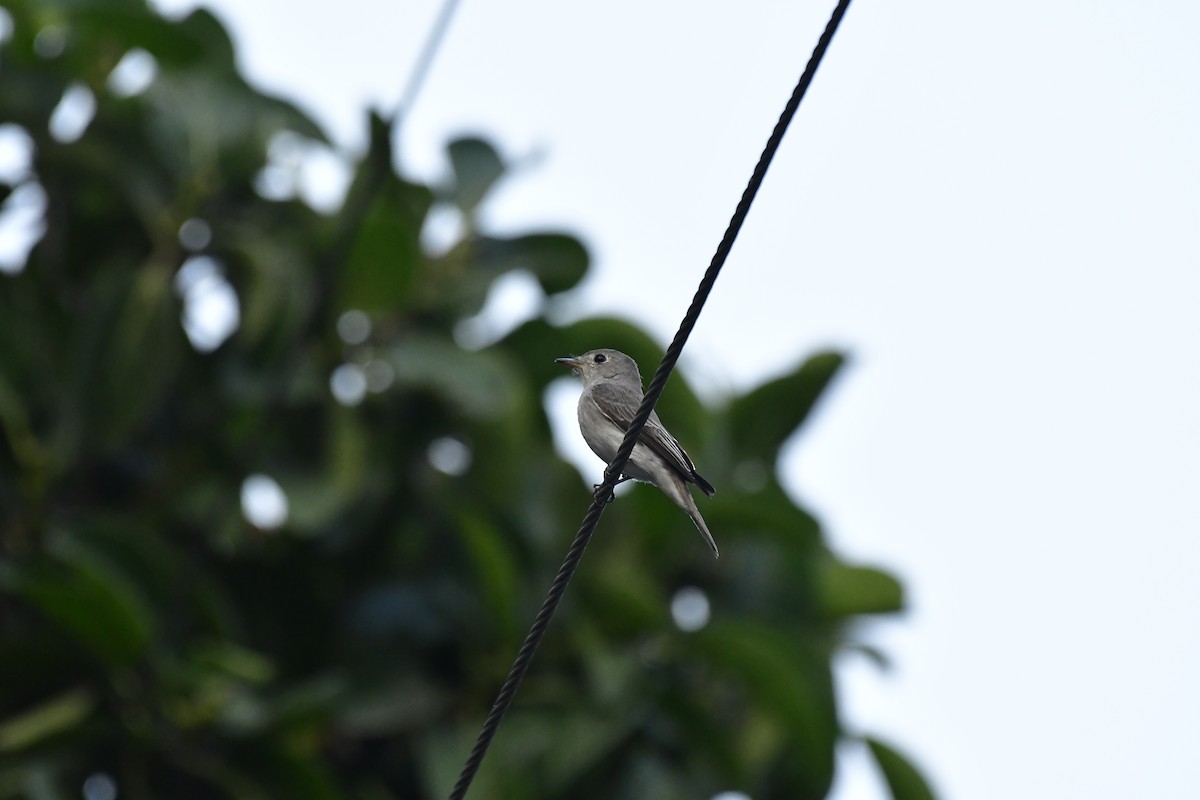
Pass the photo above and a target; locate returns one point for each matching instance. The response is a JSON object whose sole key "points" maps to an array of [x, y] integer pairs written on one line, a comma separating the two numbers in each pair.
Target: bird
{"points": [[612, 394]]}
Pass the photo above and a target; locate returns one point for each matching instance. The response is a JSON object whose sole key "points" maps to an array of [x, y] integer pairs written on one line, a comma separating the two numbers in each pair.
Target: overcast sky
{"points": [[994, 208]]}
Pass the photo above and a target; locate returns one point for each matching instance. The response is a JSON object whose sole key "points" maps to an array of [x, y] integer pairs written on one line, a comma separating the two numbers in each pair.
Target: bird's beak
{"points": [[571, 362]]}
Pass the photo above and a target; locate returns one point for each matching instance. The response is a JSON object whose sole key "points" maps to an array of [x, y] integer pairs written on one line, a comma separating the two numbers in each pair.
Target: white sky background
{"points": [[995, 208]]}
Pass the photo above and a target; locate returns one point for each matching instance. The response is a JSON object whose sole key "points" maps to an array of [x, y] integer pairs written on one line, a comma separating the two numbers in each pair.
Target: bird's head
{"points": [[602, 365]]}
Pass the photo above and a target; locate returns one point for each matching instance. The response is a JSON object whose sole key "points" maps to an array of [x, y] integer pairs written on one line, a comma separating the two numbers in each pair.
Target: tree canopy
{"points": [[163, 638]]}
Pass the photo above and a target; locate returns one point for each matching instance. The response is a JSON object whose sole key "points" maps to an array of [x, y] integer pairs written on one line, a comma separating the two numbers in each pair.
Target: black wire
{"points": [[604, 492]]}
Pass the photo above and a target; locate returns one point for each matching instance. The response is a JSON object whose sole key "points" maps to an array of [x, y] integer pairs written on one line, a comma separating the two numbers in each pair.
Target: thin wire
{"points": [[604, 492], [433, 43]]}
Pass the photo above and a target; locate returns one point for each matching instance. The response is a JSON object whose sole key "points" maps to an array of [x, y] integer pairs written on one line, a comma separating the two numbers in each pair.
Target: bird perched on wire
{"points": [[612, 394]]}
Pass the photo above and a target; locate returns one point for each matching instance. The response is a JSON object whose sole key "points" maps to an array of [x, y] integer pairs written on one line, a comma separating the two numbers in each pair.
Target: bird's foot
{"points": [[596, 486]]}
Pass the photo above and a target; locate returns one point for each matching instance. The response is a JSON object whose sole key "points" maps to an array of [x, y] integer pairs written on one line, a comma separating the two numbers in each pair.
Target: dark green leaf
{"points": [[784, 677], [275, 285], [495, 569], [90, 600], [582, 742], [131, 346], [846, 590], [384, 263], [903, 779], [480, 384], [477, 166], [211, 39], [173, 45], [762, 421], [627, 598], [556, 260]]}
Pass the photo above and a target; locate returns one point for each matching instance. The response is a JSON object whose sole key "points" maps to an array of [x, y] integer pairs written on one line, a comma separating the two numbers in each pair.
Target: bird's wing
{"points": [[620, 404]]}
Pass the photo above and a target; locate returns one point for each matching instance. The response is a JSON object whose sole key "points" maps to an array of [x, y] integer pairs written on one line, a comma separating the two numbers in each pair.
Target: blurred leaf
{"points": [[298, 776], [477, 384], [92, 603], [556, 260], [211, 40], [477, 166], [313, 502], [403, 703], [317, 498], [309, 701], [656, 778], [275, 286], [347, 452], [582, 741], [903, 779], [384, 263], [789, 685], [142, 354], [627, 599], [848, 590], [780, 674], [873, 654], [172, 44], [207, 126], [14, 424], [234, 660], [149, 567], [58, 714], [761, 421], [494, 567]]}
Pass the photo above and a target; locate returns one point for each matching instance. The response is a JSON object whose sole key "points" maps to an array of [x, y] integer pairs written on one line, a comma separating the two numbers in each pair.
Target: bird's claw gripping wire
{"points": [[596, 487]]}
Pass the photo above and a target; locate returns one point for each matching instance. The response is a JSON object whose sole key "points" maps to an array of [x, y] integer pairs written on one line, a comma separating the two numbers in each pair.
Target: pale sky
{"points": [[995, 208]]}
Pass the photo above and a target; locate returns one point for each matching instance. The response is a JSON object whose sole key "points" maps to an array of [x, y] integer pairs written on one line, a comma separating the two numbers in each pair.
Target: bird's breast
{"points": [[598, 430], [605, 439]]}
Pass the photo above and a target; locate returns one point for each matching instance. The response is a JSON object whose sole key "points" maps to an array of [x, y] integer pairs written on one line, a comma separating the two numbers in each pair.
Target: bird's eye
{"points": [[600, 358]]}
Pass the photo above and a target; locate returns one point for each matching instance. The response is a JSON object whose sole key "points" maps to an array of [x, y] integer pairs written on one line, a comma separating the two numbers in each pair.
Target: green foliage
{"points": [[151, 632], [903, 779]]}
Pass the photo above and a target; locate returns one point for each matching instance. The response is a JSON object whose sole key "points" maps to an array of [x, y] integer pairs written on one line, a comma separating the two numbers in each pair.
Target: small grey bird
{"points": [[612, 393]]}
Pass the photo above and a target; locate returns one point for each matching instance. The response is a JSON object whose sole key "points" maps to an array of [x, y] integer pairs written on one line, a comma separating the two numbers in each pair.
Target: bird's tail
{"points": [[673, 487], [689, 505]]}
